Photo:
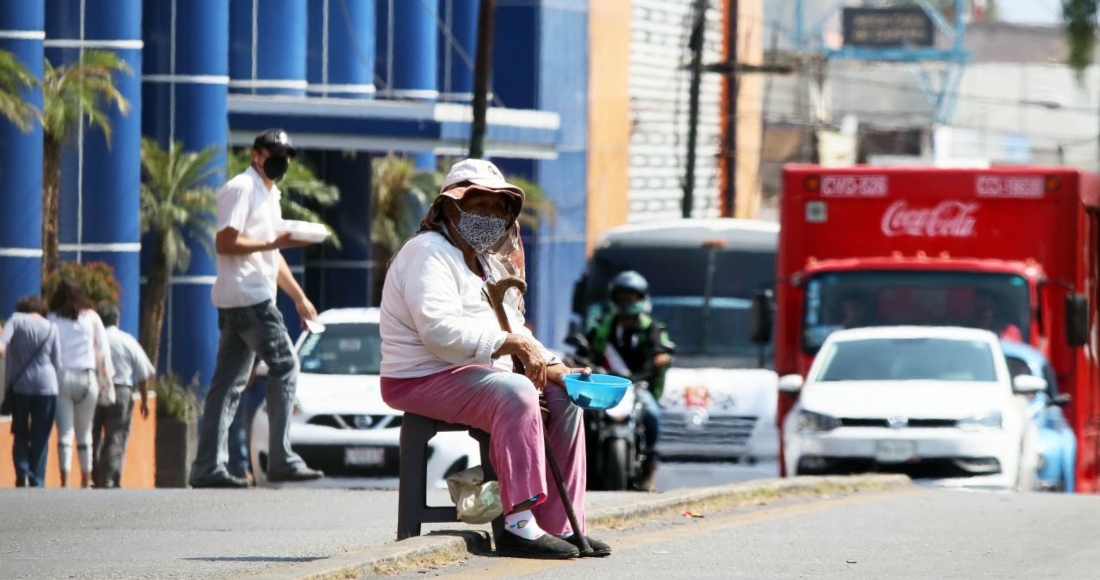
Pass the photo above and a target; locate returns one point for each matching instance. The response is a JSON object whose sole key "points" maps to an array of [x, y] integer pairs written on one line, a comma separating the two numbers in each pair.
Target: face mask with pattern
{"points": [[480, 231]]}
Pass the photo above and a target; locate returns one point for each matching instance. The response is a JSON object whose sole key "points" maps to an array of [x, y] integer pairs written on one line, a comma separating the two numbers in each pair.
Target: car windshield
{"points": [[836, 300], [908, 359], [343, 349], [703, 294]]}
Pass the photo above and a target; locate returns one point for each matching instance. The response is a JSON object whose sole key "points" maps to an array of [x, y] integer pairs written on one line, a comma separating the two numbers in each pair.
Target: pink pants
{"points": [[507, 406]]}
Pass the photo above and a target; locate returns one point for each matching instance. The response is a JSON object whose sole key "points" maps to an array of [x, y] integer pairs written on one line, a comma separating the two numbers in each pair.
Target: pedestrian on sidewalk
{"points": [[111, 425], [250, 269], [31, 348], [445, 356], [82, 339]]}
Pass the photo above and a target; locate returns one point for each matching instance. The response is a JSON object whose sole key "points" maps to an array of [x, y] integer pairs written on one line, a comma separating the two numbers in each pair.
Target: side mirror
{"points": [[790, 384], [1028, 385], [1077, 319], [760, 324], [1061, 399]]}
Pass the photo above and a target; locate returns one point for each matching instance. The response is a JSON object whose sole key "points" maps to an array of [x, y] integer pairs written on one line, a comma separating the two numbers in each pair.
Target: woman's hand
{"points": [[526, 350], [556, 373]]}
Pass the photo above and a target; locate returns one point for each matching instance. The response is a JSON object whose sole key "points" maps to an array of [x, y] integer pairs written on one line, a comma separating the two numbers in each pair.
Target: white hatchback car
{"points": [[931, 402], [340, 424]]}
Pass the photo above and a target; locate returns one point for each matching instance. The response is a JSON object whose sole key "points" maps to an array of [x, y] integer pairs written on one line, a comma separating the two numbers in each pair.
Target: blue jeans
{"points": [[246, 332], [652, 419], [31, 423]]}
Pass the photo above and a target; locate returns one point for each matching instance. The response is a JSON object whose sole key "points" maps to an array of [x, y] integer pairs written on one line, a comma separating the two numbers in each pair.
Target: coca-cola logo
{"points": [[951, 219]]}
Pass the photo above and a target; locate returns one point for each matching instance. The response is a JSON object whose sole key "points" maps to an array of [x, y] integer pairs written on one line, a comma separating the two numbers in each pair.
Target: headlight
{"points": [[810, 422], [981, 421]]}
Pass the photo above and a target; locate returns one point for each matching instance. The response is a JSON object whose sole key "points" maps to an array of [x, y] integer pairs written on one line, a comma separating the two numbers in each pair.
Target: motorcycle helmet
{"points": [[633, 282]]}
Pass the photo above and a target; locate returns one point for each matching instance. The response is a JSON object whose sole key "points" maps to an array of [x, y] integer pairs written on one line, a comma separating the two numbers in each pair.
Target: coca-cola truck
{"points": [[927, 246]]}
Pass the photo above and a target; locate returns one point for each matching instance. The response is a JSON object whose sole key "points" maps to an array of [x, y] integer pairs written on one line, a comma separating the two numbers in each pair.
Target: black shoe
{"points": [[302, 473], [548, 547], [599, 549], [222, 481]]}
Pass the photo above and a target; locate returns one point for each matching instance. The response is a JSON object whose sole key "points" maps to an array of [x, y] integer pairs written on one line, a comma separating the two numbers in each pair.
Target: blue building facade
{"points": [[350, 81]]}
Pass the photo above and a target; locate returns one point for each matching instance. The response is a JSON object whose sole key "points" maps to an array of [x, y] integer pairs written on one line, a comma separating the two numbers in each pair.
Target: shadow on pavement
{"points": [[281, 559]]}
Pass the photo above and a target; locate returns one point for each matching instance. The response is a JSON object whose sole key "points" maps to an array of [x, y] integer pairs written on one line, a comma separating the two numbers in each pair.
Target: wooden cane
{"points": [[494, 292]]}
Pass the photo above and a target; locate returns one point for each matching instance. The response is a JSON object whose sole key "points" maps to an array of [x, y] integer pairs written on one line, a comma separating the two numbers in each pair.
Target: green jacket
{"points": [[652, 340]]}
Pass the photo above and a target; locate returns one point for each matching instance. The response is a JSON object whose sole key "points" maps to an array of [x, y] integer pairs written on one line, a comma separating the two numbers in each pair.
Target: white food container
{"points": [[305, 231]]}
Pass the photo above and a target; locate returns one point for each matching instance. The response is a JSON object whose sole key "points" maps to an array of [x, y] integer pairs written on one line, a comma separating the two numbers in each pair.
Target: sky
{"points": [[1031, 11]]}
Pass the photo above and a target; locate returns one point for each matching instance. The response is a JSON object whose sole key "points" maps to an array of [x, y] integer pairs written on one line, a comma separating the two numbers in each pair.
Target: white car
{"points": [[931, 402], [340, 424]]}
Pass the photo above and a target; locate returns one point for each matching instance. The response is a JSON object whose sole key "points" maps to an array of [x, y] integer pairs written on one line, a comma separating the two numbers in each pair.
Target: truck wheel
{"points": [[616, 466]]}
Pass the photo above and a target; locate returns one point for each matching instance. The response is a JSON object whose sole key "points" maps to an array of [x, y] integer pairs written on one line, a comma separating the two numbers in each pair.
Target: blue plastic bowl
{"points": [[596, 391]]}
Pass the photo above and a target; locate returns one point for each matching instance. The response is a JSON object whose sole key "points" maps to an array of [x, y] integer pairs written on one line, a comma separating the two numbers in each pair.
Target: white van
{"points": [[720, 394]]}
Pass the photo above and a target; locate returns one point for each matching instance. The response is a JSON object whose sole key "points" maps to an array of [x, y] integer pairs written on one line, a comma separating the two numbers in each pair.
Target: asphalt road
{"points": [[913, 533]]}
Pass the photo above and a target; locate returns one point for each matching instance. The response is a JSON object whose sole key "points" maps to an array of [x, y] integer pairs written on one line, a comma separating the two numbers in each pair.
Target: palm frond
{"points": [[175, 202], [83, 90], [537, 206], [15, 81]]}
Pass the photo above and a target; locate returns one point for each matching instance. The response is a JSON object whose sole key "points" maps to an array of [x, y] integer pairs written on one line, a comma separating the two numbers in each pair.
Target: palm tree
{"points": [[175, 205], [299, 183], [72, 94], [15, 80]]}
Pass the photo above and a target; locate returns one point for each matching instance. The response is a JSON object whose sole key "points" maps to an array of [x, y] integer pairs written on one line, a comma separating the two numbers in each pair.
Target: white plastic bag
{"points": [[477, 501]]}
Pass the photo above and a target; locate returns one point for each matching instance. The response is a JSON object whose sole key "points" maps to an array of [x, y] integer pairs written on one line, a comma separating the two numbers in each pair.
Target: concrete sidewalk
{"points": [[283, 533]]}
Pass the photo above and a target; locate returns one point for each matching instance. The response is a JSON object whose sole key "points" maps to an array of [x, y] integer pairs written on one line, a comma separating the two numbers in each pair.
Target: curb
{"points": [[458, 543]]}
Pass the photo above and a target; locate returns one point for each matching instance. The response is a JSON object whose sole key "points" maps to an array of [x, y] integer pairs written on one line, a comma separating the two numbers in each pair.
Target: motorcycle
{"points": [[614, 437]]}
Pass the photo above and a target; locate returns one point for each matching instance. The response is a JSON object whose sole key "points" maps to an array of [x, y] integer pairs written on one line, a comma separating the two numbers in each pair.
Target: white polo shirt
{"points": [[246, 205]]}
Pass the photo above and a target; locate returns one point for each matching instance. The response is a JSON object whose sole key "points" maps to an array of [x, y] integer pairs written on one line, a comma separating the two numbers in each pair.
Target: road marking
{"points": [[517, 567]]}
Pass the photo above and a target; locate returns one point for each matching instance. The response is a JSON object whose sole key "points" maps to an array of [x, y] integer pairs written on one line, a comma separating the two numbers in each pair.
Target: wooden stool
{"points": [[412, 507]]}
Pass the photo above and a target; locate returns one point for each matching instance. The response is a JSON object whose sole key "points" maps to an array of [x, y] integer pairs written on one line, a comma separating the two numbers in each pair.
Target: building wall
{"points": [[659, 106], [609, 115]]}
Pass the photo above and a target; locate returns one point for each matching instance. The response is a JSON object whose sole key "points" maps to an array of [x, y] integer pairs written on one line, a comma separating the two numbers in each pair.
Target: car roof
{"points": [[740, 234], [350, 315], [946, 332]]}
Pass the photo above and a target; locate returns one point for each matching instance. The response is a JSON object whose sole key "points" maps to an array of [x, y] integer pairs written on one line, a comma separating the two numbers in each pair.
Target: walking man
{"points": [[111, 425], [250, 268]]}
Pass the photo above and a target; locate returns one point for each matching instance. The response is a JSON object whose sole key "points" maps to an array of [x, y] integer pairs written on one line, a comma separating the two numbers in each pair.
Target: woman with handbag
{"points": [[32, 350], [85, 377]]}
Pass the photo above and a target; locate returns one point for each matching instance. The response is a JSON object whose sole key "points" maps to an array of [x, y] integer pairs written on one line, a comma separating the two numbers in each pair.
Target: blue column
{"points": [[343, 278], [184, 88], [267, 47], [457, 49], [340, 56], [408, 52], [408, 57], [101, 189], [22, 29]]}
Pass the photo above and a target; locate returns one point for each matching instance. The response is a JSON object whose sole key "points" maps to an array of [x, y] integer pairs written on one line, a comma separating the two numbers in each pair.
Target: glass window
{"points": [[998, 302], [343, 349], [909, 359]]}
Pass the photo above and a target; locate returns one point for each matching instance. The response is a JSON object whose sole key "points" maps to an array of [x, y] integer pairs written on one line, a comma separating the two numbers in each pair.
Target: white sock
{"points": [[523, 524]]}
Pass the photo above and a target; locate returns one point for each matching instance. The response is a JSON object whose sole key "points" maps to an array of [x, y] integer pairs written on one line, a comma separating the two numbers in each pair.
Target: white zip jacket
{"points": [[435, 316]]}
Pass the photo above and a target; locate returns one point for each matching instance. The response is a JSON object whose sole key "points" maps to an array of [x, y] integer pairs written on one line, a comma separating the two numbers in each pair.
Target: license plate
{"points": [[889, 451], [364, 456]]}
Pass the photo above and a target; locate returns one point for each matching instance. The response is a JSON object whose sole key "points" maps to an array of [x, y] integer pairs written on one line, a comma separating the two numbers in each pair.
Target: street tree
{"points": [[83, 91], [176, 206]]}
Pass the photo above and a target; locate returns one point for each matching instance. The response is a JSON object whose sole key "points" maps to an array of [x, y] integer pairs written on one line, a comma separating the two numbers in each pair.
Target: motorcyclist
{"points": [[628, 341]]}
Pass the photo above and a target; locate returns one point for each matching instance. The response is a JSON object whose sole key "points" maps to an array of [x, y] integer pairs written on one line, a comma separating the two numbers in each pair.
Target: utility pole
{"points": [[733, 88], [483, 65], [695, 44]]}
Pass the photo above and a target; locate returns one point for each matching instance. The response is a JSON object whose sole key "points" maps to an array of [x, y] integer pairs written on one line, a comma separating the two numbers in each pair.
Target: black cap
{"points": [[274, 140]]}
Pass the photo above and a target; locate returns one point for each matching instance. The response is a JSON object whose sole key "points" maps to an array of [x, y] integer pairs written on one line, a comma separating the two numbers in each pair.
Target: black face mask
{"points": [[275, 167]]}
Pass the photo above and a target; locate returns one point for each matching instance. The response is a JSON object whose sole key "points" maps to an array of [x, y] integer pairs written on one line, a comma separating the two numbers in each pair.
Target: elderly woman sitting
{"points": [[445, 356]]}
